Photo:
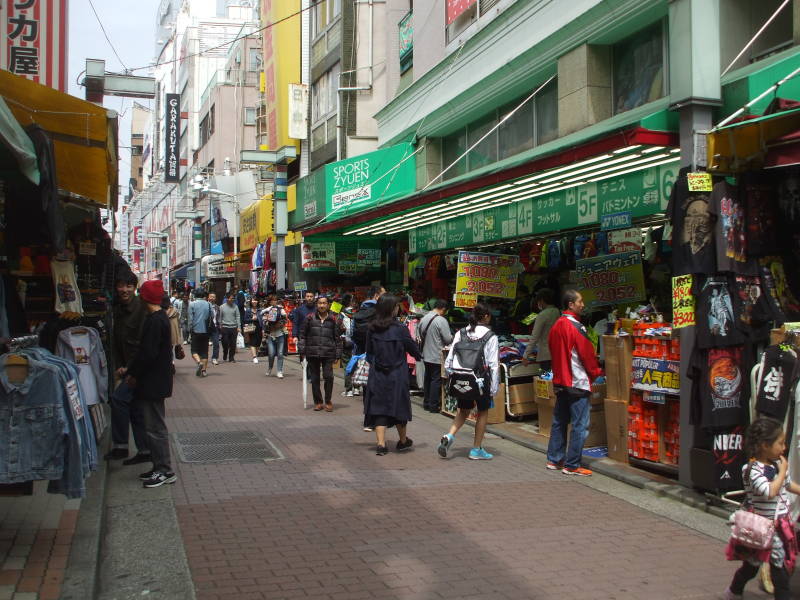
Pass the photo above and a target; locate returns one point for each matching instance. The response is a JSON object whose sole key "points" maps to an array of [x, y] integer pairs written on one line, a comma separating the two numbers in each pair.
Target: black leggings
{"points": [[780, 579]]}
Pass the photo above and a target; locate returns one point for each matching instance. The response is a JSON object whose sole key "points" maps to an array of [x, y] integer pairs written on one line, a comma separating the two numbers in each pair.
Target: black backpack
{"points": [[470, 381], [361, 321]]}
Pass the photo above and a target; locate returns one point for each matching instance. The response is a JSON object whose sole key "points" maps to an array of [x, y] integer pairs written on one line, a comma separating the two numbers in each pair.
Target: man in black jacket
{"points": [[150, 375], [320, 342]]}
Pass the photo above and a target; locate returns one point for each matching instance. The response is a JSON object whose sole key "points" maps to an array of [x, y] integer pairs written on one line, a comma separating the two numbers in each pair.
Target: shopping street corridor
{"points": [[328, 519]]}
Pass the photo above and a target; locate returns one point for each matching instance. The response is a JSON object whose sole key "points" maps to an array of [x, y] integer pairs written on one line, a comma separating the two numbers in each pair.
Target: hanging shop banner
{"points": [[487, 274], [298, 111], [456, 8], [319, 256], [369, 257], [33, 41], [619, 220], [368, 180], [215, 267], [124, 226], [172, 138], [652, 375], [611, 279], [625, 240], [642, 193], [255, 224], [682, 302], [219, 227]]}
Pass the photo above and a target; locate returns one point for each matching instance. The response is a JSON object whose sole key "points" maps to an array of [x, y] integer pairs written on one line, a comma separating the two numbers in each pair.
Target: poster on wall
{"points": [[611, 279], [319, 256], [485, 274]]}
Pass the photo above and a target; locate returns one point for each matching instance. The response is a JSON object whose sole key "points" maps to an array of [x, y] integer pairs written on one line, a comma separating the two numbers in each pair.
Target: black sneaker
{"points": [[199, 369], [117, 454], [146, 475], [159, 479], [136, 459], [381, 450], [405, 446]]}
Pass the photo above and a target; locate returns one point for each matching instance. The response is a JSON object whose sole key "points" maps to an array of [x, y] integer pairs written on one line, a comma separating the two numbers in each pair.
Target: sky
{"points": [[130, 25]]}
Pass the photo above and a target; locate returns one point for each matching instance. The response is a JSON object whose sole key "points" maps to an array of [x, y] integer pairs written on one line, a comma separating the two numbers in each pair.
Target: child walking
{"points": [[767, 486]]}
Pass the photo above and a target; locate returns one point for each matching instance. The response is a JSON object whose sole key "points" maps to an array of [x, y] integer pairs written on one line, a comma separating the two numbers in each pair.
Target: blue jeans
{"points": [[275, 347], [124, 413], [569, 409], [215, 344]]}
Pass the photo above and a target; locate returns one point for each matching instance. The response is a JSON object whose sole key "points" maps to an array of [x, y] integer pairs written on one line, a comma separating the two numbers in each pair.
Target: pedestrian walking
{"points": [[129, 315], [473, 371], [767, 486], [201, 326], [321, 344], [548, 315], [363, 317], [434, 335], [300, 313], [230, 327], [214, 334], [575, 367], [345, 323], [251, 328], [273, 323], [150, 375], [186, 328], [387, 401]]}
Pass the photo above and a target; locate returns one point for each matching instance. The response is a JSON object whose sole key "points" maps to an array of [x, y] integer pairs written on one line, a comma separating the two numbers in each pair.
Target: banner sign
{"points": [[124, 226], [466, 300], [369, 257], [611, 279], [485, 274], [455, 8], [300, 286], [625, 240], [33, 41], [319, 256], [619, 220], [172, 138], [298, 111], [682, 302], [653, 375]]}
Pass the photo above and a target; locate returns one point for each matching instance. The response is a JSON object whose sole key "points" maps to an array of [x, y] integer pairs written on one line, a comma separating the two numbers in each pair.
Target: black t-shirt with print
{"points": [[721, 386], [730, 231], [693, 235], [780, 370], [760, 206], [751, 308], [716, 315]]}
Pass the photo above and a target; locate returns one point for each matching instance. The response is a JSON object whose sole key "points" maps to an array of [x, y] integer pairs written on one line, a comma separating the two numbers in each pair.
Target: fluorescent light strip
{"points": [[565, 168], [591, 168], [600, 170], [663, 162], [626, 148]]}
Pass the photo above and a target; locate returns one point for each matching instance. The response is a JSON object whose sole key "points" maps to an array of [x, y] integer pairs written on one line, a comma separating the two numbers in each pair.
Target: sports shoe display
{"points": [[580, 471], [445, 444], [402, 446], [159, 479], [480, 454]]}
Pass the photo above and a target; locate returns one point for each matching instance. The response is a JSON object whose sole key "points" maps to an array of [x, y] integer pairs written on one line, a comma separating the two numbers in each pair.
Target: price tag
{"points": [[74, 399], [699, 182], [654, 397], [466, 300]]}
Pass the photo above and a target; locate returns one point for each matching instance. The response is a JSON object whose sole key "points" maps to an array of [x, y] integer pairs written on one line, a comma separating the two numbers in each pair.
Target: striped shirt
{"points": [[757, 488]]}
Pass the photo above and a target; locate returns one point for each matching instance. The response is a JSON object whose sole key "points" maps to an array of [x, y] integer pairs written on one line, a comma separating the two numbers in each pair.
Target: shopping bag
{"points": [[361, 373], [239, 341]]}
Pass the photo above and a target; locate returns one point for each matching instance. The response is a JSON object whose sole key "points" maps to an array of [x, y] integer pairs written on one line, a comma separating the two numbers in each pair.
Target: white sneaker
{"points": [[356, 392], [349, 393], [280, 374], [214, 361], [185, 343], [255, 360], [268, 373]]}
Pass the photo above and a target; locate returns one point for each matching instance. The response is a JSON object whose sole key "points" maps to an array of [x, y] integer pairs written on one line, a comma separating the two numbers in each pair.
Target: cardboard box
{"points": [[597, 423], [598, 394], [545, 407], [619, 357], [617, 428], [520, 393]]}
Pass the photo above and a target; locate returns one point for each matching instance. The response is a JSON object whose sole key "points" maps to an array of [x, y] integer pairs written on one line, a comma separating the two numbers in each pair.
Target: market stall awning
{"points": [[19, 145], [745, 145], [84, 136]]}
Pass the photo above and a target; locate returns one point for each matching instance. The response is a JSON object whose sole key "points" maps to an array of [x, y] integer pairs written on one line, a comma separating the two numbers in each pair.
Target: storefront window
{"points": [[547, 113], [639, 68], [485, 153], [453, 146], [323, 94], [516, 134]]}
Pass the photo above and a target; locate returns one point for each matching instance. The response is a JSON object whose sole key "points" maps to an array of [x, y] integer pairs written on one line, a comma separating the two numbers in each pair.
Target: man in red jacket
{"points": [[575, 367]]}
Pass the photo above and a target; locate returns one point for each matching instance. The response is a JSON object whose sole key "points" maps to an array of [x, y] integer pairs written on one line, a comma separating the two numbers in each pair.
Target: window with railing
{"points": [[533, 124]]}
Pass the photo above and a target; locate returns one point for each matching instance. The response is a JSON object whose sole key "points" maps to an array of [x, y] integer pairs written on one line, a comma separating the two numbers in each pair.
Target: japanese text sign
{"points": [[611, 279], [653, 375], [172, 138], [466, 300], [33, 40], [320, 256], [486, 274], [699, 182], [682, 302]]}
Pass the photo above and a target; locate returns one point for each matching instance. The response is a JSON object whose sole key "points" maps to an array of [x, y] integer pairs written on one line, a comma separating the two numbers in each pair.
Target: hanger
{"points": [[16, 360], [79, 331]]}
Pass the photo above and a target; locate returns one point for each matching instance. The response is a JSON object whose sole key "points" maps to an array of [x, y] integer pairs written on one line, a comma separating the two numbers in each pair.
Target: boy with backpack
{"points": [[473, 379]]}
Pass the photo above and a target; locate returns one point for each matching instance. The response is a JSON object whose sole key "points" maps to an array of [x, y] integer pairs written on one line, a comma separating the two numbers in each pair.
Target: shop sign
{"points": [[611, 279], [405, 30], [33, 41], [619, 220], [466, 300], [310, 197], [625, 240], [124, 226], [197, 232], [298, 111], [653, 375], [369, 257], [319, 256], [369, 179], [300, 286], [215, 268], [485, 274], [172, 134], [349, 267], [643, 193], [682, 302]]}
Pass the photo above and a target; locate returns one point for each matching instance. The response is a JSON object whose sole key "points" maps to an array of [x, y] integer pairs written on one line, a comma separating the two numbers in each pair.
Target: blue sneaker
{"points": [[480, 454], [445, 444]]}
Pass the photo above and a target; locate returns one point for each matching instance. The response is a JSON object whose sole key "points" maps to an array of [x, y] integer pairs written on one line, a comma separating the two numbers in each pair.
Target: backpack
{"points": [[471, 380], [361, 321]]}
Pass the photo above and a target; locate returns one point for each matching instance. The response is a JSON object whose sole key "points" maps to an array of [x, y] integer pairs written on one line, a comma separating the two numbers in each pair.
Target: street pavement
{"points": [[331, 520]]}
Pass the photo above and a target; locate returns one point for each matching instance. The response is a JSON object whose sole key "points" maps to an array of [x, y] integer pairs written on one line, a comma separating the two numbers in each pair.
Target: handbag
{"points": [[752, 530], [249, 328], [361, 372], [179, 353]]}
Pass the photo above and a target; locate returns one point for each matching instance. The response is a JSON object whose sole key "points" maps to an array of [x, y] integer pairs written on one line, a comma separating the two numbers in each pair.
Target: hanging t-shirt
{"points": [[729, 456], [727, 209], [780, 370], [751, 307], [720, 383], [761, 217], [693, 240], [68, 296], [775, 278], [715, 317]]}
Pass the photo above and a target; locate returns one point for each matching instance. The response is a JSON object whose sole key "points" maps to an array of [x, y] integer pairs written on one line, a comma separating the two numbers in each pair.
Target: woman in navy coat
{"points": [[387, 402]]}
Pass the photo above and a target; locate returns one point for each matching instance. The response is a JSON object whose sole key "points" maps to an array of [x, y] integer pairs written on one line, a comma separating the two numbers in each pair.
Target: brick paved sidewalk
{"points": [[334, 521]]}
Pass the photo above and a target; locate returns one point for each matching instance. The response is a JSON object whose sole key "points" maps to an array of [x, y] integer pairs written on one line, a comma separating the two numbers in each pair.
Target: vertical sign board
{"points": [[33, 40], [298, 111], [124, 225], [172, 139]]}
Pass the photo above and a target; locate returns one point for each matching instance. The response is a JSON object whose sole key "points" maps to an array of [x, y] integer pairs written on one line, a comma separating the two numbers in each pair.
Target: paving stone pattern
{"points": [[335, 521]]}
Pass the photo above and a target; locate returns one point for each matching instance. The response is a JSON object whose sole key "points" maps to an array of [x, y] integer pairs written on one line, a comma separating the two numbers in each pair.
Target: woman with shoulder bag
{"points": [[251, 328], [273, 323]]}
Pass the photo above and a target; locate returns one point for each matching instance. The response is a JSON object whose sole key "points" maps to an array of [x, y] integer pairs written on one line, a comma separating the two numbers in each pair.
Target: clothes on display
{"points": [[693, 240], [716, 316], [727, 207], [82, 346], [721, 386], [68, 294], [780, 370]]}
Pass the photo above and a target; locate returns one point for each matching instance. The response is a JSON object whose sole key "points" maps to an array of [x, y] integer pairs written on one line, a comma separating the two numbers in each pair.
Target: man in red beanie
{"points": [[151, 377]]}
